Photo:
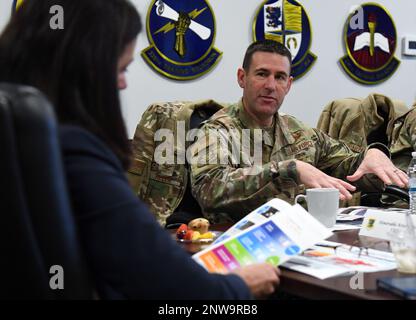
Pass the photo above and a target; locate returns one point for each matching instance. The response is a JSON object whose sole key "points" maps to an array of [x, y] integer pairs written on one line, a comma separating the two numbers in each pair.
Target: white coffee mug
{"points": [[322, 204]]}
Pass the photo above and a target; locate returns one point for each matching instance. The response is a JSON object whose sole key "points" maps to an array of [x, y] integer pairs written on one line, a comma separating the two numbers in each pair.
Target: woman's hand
{"points": [[261, 278]]}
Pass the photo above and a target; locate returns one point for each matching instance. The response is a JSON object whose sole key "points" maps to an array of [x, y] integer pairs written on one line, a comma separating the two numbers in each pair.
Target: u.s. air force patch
{"points": [[287, 22], [370, 40], [181, 36]]}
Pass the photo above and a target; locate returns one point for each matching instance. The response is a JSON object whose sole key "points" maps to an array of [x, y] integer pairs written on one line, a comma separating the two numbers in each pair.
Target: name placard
{"points": [[379, 224]]}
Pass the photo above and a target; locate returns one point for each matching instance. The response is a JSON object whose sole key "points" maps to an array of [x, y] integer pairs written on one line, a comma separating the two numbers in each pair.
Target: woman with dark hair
{"points": [[80, 68]]}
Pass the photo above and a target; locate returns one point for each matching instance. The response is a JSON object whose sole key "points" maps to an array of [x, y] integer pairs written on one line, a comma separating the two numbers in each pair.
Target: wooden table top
{"points": [[305, 286]]}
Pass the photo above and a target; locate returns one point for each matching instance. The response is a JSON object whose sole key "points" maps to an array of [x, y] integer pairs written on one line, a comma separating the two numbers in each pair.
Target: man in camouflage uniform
{"points": [[294, 156]]}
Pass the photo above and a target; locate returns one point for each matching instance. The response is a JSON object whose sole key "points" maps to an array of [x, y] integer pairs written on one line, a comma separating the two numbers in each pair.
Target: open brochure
{"points": [[256, 216], [275, 232], [269, 209]]}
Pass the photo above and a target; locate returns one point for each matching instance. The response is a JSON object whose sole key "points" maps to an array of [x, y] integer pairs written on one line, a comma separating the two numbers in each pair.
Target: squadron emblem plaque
{"points": [[370, 41], [287, 22], [181, 36], [16, 5]]}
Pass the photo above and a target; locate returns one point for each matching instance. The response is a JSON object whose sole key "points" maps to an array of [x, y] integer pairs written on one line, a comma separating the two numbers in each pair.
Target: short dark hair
{"points": [[265, 46], [75, 67]]}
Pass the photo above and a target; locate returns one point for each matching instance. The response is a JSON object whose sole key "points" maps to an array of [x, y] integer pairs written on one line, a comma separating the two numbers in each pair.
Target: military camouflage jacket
{"points": [[377, 117], [228, 189], [158, 179], [403, 139]]}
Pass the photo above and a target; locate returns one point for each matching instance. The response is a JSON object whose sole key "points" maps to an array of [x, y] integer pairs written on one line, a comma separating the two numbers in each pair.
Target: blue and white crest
{"points": [[287, 22], [181, 36], [370, 40], [16, 5]]}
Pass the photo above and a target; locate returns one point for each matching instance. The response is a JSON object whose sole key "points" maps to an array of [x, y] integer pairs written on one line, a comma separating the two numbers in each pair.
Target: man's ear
{"points": [[289, 84], [241, 74]]}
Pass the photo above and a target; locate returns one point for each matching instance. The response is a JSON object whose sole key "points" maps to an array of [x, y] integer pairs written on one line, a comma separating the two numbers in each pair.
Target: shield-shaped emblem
{"points": [[289, 33], [181, 36], [370, 40], [16, 5], [286, 21]]}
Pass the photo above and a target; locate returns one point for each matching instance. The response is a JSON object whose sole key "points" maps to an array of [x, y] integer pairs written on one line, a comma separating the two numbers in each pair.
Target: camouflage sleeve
{"points": [[338, 160], [335, 158], [411, 129], [140, 175], [404, 142], [226, 191], [142, 154]]}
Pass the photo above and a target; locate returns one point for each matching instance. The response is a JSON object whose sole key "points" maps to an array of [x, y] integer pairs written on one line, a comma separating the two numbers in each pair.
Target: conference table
{"points": [[304, 286]]}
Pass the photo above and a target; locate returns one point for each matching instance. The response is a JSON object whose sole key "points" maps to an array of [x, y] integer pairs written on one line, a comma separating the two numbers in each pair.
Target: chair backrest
{"points": [[188, 208], [392, 196], [165, 187], [37, 230], [360, 122]]}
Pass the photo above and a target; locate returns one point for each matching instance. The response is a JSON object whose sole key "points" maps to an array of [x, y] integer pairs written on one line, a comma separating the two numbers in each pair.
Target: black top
{"points": [[128, 253]]}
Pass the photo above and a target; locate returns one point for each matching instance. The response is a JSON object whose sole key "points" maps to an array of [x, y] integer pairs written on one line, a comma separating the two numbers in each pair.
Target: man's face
{"points": [[265, 85]]}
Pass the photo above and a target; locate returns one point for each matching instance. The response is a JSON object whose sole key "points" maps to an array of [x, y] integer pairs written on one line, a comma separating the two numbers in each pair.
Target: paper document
{"points": [[345, 227], [351, 213], [380, 223], [328, 259], [285, 233]]}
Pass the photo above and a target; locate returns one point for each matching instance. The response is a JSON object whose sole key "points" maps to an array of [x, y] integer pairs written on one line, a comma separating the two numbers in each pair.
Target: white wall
{"points": [[324, 82], [5, 9]]}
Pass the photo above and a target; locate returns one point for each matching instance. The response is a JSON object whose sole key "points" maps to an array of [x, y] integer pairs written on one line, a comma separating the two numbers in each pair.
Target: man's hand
{"points": [[378, 163], [312, 177], [181, 26], [261, 278]]}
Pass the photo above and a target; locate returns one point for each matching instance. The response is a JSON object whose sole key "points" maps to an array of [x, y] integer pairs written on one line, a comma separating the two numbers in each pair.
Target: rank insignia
{"points": [[287, 22], [370, 40], [181, 36]]}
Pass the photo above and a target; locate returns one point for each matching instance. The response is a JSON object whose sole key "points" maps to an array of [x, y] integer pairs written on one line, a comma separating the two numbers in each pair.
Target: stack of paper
{"points": [[328, 259]]}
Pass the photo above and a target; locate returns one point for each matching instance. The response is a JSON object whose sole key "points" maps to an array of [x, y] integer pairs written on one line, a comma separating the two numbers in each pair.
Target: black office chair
{"points": [[37, 229], [392, 196]]}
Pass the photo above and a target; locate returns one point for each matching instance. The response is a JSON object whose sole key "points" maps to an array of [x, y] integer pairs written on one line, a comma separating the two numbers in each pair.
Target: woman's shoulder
{"points": [[77, 141]]}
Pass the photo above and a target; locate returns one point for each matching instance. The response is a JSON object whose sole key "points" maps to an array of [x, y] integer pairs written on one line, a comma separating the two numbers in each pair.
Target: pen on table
{"points": [[328, 245], [298, 262]]}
